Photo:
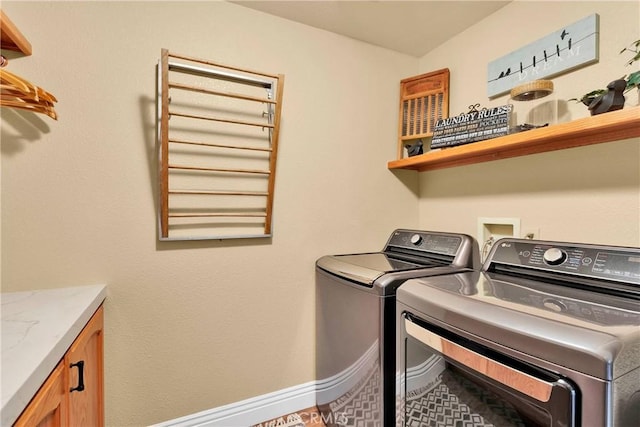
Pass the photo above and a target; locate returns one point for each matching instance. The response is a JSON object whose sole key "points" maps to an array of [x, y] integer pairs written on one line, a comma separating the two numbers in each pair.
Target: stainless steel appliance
{"points": [[355, 320], [547, 334]]}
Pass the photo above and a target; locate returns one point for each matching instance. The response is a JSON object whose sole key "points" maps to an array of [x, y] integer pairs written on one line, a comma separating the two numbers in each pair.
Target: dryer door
{"points": [[449, 379]]}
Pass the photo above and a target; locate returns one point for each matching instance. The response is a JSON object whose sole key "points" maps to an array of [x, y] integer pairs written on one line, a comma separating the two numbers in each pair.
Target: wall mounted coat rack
{"points": [[218, 129], [16, 91]]}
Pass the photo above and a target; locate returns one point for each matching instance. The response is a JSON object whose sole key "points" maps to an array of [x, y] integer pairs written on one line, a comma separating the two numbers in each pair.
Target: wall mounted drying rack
{"points": [[218, 129]]}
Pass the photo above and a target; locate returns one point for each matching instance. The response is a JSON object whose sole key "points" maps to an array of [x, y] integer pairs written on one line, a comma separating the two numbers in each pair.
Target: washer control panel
{"points": [[425, 241], [604, 262]]}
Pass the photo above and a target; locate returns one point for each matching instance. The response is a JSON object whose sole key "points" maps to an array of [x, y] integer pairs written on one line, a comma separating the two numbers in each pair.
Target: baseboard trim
{"points": [[282, 402], [251, 411]]}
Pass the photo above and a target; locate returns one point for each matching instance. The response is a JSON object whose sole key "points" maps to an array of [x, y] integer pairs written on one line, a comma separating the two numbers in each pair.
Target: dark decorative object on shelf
{"points": [[414, 149], [611, 100], [631, 81]]}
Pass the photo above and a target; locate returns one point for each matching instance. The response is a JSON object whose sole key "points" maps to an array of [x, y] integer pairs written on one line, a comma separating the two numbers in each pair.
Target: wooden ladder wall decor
{"points": [[423, 100], [218, 130]]}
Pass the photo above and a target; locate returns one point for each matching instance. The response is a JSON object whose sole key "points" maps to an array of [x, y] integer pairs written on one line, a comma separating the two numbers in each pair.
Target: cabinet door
{"points": [[48, 407], [85, 385]]}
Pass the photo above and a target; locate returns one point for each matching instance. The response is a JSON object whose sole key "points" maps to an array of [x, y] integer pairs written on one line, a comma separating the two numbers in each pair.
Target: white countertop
{"points": [[38, 327]]}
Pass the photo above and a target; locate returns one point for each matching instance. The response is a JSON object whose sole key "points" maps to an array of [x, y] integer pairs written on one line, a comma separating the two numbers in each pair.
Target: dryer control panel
{"points": [[602, 311], [593, 261]]}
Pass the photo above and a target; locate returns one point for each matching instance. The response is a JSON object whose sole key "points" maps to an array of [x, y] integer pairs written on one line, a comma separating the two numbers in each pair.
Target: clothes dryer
{"points": [[546, 335]]}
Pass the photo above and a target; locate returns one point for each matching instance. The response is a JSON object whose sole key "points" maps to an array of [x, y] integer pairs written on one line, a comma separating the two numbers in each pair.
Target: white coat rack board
{"points": [[218, 130]]}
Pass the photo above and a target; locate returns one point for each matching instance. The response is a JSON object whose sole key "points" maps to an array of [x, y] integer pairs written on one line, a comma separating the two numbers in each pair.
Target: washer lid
{"points": [[581, 330], [367, 267]]}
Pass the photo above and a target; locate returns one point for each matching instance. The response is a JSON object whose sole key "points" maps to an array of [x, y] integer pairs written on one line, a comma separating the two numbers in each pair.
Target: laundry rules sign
{"points": [[472, 127]]}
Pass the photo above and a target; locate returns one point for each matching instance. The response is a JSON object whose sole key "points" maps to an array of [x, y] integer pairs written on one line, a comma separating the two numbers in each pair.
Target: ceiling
{"points": [[411, 27]]}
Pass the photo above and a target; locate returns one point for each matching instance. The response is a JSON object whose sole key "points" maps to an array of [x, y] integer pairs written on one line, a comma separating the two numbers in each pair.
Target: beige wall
{"points": [[192, 326], [588, 194]]}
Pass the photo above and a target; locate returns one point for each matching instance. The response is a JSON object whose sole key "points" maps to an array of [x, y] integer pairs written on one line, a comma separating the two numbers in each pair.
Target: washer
{"points": [[355, 320], [546, 334]]}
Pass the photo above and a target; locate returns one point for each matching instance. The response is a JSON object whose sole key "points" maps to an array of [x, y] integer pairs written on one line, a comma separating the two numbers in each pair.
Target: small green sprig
{"points": [[634, 47], [633, 79]]}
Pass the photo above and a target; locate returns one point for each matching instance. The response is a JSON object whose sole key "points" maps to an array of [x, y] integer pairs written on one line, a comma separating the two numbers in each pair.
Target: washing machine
{"points": [[355, 320], [546, 334]]}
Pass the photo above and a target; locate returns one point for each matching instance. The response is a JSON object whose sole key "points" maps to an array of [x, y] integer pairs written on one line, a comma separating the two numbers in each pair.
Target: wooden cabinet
{"points": [[49, 407], [85, 362], [73, 394]]}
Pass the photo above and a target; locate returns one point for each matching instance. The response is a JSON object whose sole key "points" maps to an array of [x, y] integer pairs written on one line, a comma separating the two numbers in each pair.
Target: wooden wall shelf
{"points": [[607, 127]]}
